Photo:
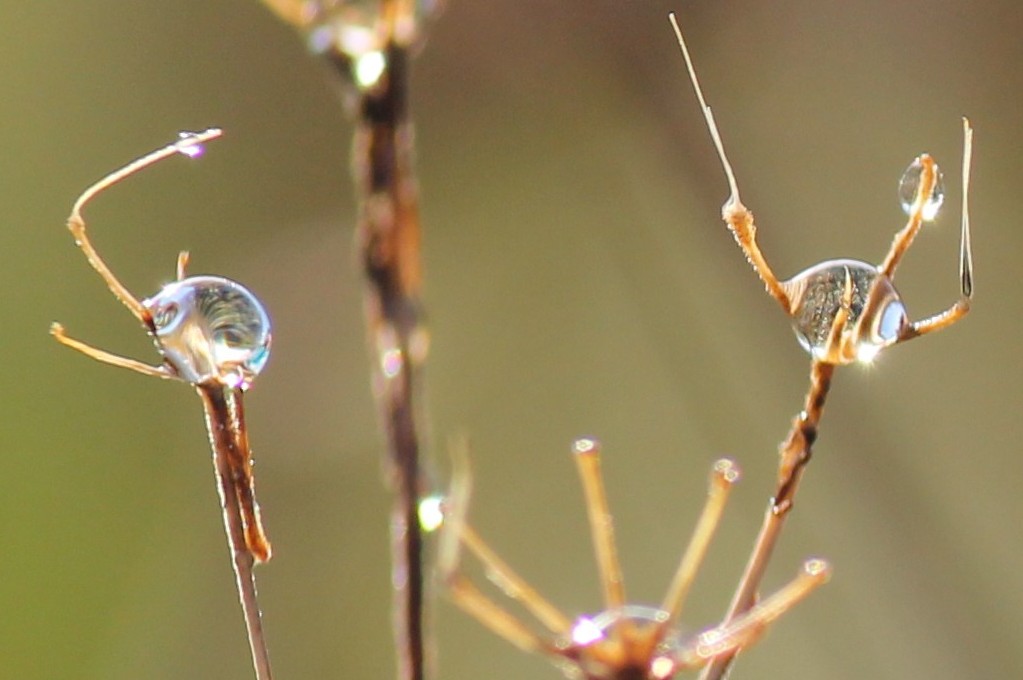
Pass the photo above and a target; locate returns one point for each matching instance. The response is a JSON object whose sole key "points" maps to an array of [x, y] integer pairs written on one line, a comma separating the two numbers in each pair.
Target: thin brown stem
{"points": [[736, 215], [388, 233], [245, 537], [904, 238], [513, 585], [103, 356], [746, 629], [795, 452], [189, 144], [473, 602], [456, 534]]}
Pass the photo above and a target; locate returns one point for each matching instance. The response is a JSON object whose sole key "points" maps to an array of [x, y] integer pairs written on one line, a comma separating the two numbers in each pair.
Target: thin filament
{"points": [[965, 247], [77, 224], [707, 113], [179, 146]]}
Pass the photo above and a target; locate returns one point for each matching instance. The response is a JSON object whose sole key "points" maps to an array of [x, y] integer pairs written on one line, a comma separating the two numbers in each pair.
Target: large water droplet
{"points": [[819, 292], [211, 328], [589, 629], [909, 186]]}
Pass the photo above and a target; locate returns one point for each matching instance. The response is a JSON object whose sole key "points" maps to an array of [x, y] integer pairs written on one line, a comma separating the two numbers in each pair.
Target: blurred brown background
{"points": [[579, 283]]}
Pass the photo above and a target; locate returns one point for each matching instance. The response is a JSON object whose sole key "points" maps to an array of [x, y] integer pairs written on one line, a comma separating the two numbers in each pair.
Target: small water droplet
{"points": [[355, 30], [431, 512], [728, 470], [391, 362], [368, 68], [211, 328], [909, 186], [585, 446], [711, 643], [817, 567], [821, 290], [189, 145]]}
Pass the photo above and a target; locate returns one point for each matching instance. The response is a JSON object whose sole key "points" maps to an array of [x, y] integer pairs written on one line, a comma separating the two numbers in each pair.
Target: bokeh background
{"points": [[579, 282]]}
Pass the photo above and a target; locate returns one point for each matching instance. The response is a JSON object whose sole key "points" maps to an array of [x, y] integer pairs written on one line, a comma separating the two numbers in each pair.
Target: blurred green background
{"points": [[579, 282]]}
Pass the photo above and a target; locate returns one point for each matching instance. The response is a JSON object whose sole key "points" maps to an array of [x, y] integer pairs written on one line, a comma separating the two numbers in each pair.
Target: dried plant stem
{"points": [[225, 422], [388, 233], [795, 453]]}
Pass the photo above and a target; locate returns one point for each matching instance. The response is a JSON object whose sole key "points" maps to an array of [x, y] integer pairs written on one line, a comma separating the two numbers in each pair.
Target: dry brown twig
{"points": [[215, 335], [371, 43], [842, 311]]}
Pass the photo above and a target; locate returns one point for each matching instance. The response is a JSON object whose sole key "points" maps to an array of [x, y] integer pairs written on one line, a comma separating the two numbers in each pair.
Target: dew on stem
{"points": [[213, 334]]}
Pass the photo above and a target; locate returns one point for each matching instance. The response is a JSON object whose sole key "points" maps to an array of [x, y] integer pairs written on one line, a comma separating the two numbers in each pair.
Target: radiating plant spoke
{"points": [[624, 641]]}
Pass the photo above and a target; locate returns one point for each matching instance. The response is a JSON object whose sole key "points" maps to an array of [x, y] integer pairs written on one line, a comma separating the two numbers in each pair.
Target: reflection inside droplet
{"points": [[909, 186], [890, 322], [211, 328]]}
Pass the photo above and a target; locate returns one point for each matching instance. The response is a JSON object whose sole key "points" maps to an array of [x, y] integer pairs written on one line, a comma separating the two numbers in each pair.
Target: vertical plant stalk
{"points": [[389, 239], [843, 310], [375, 68], [795, 452], [225, 421], [215, 335]]}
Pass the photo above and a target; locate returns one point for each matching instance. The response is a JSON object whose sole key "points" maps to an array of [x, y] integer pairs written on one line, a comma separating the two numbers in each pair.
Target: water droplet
{"points": [[727, 470], [909, 185], [818, 293], [585, 446], [391, 362], [190, 145], [368, 68], [355, 30], [625, 626], [817, 567], [431, 512], [211, 328], [711, 643]]}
